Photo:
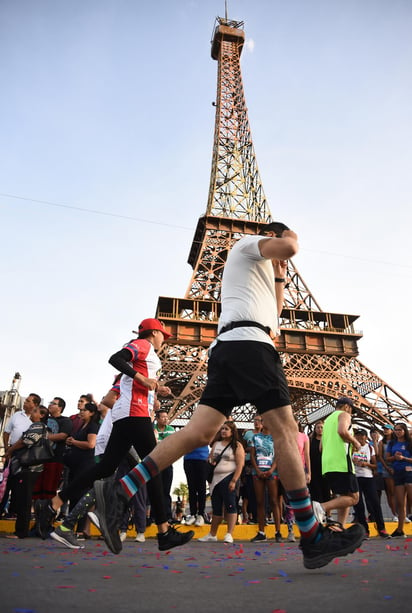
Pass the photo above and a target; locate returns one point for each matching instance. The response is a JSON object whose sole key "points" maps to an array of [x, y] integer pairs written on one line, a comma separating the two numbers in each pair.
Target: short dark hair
{"points": [[274, 226], [44, 412], [60, 402], [88, 397], [36, 399]]}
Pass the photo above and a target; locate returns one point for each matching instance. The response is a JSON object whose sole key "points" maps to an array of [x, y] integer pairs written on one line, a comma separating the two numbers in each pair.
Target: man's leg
{"points": [[319, 546], [201, 429], [284, 431]]}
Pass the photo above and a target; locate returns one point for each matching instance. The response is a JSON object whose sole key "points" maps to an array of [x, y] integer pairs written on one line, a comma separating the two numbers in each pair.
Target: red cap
{"points": [[152, 324]]}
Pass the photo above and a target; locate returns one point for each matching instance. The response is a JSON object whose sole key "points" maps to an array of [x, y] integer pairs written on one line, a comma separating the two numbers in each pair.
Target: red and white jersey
{"points": [[135, 400]]}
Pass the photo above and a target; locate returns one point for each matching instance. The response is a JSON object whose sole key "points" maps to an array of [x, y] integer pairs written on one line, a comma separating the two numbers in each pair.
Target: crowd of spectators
{"points": [[245, 488]]}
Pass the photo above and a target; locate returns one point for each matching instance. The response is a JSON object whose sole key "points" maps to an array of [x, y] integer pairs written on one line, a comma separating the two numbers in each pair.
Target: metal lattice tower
{"points": [[319, 349]]}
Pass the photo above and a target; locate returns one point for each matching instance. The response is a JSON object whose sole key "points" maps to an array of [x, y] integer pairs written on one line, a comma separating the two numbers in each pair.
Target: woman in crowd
{"points": [[265, 479], [386, 469], [399, 452], [80, 451], [195, 467], [318, 487], [225, 480]]}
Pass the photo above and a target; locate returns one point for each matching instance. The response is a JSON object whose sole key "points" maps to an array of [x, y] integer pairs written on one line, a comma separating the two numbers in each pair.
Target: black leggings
{"points": [[195, 471], [127, 432]]}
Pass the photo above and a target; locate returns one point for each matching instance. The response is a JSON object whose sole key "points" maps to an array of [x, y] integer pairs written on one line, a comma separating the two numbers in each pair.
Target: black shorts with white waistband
{"points": [[241, 372], [342, 483]]}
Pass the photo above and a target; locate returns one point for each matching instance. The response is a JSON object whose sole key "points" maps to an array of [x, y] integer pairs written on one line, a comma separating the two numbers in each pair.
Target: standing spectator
{"points": [[318, 486], [79, 454], [387, 468], [162, 431], [225, 480], [60, 428], [18, 423], [25, 477], [303, 446], [249, 488], [365, 463], [77, 419], [195, 467], [337, 464], [265, 479], [377, 473], [399, 452]]}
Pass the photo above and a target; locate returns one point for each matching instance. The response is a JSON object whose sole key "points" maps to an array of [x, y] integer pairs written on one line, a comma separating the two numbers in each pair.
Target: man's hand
{"points": [[280, 268], [164, 390]]}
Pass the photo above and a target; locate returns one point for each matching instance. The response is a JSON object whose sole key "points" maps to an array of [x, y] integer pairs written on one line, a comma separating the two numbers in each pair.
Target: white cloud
{"points": [[249, 45]]}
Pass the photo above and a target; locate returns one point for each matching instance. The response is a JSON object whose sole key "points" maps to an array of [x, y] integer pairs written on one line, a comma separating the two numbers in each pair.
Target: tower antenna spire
{"points": [[226, 10]]}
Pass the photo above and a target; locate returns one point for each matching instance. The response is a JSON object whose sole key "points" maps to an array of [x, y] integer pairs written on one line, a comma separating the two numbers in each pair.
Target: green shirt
{"points": [[336, 453], [161, 434]]}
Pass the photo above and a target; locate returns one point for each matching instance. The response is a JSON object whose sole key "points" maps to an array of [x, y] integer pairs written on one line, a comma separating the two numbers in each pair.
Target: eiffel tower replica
{"points": [[318, 349]]}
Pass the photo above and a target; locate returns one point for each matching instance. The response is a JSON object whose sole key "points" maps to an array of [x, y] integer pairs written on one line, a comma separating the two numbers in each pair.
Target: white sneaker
{"points": [[291, 537], [407, 520], [199, 521], [228, 538], [94, 519], [319, 511], [140, 538], [395, 518], [123, 536], [209, 538], [190, 520]]}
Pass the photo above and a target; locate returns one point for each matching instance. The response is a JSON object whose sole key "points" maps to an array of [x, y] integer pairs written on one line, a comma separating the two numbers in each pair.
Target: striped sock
{"points": [[139, 475], [305, 519]]}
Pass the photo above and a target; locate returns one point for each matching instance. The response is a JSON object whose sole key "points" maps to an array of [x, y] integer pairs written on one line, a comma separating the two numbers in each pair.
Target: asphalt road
{"points": [[44, 577]]}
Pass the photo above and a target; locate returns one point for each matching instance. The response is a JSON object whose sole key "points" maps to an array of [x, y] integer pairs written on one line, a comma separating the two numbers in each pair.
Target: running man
{"points": [[132, 426], [243, 366]]}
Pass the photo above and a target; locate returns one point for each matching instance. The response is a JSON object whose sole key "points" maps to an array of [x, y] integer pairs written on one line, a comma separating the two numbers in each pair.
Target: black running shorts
{"points": [[241, 372], [342, 483]]}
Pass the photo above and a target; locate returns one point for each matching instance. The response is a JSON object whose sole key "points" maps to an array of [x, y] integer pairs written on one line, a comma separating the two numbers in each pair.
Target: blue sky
{"points": [[106, 106]]}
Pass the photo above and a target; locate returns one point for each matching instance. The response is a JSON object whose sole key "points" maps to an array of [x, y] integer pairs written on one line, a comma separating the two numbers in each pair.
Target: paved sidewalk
{"points": [[44, 577]]}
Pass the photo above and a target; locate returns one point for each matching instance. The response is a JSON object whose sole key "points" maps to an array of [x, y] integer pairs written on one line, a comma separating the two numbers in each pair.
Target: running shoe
{"points": [[228, 538], [94, 519], [260, 536], [111, 505], [66, 537], [319, 511], [173, 538], [383, 534], [398, 534], [291, 537], [209, 538], [199, 521], [190, 520], [123, 536], [45, 515], [331, 545], [140, 538]]}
